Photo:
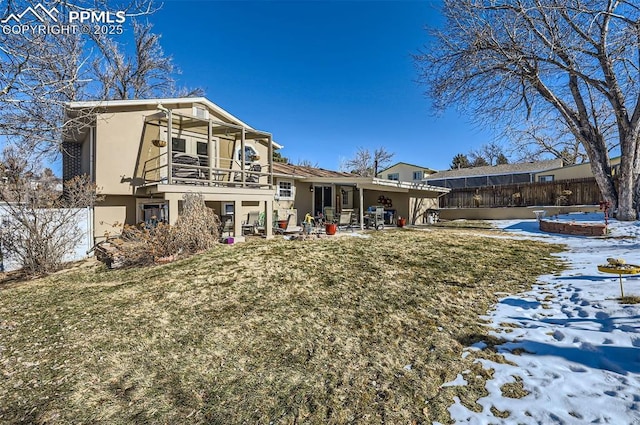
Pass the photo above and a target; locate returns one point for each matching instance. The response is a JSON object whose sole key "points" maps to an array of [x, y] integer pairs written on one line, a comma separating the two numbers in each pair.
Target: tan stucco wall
{"points": [[405, 172], [304, 199], [418, 206], [124, 143], [580, 171], [399, 200], [510, 213], [118, 138], [110, 214]]}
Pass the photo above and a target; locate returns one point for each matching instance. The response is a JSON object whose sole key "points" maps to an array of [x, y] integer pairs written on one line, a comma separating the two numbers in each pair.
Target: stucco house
{"points": [[144, 155], [403, 171], [316, 188], [577, 171]]}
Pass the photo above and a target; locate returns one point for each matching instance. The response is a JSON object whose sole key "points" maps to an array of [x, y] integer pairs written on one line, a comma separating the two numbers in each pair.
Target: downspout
{"points": [[92, 178], [92, 161], [440, 196]]}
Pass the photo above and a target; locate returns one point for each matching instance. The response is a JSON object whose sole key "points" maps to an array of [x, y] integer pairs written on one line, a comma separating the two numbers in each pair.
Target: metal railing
{"points": [[196, 170]]}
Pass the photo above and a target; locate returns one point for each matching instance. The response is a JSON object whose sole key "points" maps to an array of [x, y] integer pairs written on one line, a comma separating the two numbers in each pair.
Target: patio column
{"points": [[169, 148], [242, 158], [173, 210], [268, 219], [361, 200], [270, 159], [237, 220], [210, 150]]}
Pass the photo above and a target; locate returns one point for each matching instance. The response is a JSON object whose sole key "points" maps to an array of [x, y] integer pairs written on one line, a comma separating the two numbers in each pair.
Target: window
{"points": [[345, 197], [285, 190], [202, 149], [394, 176], [249, 152], [200, 112], [546, 178], [151, 213], [417, 175], [178, 145]]}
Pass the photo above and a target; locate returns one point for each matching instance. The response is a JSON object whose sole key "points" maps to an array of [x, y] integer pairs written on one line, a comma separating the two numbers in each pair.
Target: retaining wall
{"points": [[569, 228]]}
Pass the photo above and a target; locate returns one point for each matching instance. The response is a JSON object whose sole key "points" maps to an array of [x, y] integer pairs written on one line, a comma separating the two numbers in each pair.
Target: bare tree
{"points": [[40, 228], [307, 163], [146, 73], [508, 61], [41, 71], [487, 154], [366, 163]]}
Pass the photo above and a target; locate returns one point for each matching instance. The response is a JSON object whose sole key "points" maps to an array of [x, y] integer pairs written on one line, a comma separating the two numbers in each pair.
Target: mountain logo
{"points": [[40, 12]]}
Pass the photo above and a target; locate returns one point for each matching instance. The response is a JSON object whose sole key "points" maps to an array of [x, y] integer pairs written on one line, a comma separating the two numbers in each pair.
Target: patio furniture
{"points": [[291, 226], [329, 215], [249, 226], [185, 166], [344, 221], [375, 218], [226, 225]]}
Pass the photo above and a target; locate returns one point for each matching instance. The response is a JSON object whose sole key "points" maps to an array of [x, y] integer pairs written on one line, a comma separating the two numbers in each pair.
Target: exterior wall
{"points": [[510, 213], [124, 144], [118, 138], [579, 171], [304, 199], [399, 201], [418, 206], [405, 172], [110, 214]]}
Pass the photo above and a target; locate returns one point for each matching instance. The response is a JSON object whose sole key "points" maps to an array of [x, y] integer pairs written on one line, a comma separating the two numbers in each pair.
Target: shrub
{"points": [[197, 229]]}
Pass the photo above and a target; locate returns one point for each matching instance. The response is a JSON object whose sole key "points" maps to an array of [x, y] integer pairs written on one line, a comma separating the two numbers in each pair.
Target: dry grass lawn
{"points": [[344, 330]]}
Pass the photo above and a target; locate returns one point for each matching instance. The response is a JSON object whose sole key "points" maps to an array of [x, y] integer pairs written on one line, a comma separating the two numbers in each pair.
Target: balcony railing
{"points": [[196, 170]]}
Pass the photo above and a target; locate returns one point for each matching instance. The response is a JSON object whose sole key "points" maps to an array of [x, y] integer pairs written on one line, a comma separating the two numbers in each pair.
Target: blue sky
{"points": [[325, 77]]}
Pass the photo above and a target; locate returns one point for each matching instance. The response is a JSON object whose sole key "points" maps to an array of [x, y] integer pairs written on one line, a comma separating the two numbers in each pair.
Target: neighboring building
{"points": [[144, 155], [314, 189], [496, 175], [578, 171], [403, 171]]}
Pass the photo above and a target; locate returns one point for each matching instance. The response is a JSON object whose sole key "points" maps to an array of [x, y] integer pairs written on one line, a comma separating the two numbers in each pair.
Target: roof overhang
{"points": [[372, 183], [166, 103]]}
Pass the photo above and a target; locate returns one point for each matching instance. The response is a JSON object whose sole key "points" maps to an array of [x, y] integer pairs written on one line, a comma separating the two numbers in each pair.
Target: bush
{"points": [[40, 228], [197, 229]]}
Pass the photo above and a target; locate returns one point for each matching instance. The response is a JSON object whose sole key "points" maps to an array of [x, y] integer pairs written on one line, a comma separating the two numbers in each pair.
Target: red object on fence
{"points": [[605, 205]]}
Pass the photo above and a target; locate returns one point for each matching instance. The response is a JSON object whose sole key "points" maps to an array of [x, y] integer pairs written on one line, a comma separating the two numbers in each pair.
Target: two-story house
{"points": [[144, 155]]}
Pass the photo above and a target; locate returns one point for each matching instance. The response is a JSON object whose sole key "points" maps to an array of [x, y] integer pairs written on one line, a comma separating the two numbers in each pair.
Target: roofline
{"points": [[358, 180], [406, 163], [577, 165], [431, 176], [166, 100]]}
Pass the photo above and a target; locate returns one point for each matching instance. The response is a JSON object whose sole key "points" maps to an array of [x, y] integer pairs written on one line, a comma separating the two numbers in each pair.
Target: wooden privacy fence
{"points": [[566, 192]]}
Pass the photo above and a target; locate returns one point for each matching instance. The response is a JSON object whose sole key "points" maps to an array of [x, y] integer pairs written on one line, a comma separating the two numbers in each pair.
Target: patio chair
{"points": [[344, 221], [291, 226], [185, 166], [249, 226], [355, 217], [226, 225], [329, 215]]}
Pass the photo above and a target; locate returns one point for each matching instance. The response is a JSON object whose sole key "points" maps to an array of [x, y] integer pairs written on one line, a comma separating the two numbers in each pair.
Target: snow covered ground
{"points": [[575, 347]]}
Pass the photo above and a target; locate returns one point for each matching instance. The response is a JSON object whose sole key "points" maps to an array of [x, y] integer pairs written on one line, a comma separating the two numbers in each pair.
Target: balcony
{"points": [[181, 149]]}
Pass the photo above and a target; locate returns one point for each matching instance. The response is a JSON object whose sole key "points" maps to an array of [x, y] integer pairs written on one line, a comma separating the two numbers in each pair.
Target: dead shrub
{"points": [[197, 229]]}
